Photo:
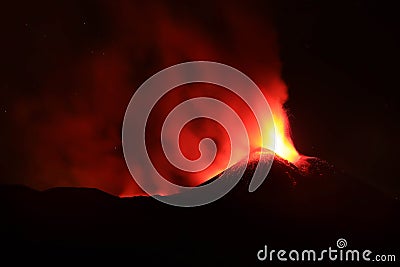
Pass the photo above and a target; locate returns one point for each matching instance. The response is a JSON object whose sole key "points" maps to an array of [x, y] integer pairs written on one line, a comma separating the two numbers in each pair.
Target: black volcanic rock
{"points": [[305, 206]]}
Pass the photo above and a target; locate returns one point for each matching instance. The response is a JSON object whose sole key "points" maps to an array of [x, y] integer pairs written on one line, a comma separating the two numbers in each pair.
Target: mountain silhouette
{"points": [[309, 205]]}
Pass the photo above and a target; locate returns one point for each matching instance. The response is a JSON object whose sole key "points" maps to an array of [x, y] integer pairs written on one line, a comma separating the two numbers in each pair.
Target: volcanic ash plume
{"points": [[75, 120]]}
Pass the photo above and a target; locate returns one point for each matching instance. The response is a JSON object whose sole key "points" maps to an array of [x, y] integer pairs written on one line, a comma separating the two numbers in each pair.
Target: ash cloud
{"points": [[68, 127]]}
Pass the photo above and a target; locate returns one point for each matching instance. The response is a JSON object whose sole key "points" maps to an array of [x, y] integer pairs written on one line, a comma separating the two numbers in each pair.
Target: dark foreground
{"points": [[291, 210]]}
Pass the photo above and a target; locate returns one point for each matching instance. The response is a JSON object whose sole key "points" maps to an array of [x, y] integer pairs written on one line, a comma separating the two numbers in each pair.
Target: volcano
{"points": [[307, 205]]}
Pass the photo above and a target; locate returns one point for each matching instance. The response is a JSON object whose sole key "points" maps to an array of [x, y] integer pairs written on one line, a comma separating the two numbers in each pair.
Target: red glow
{"points": [[74, 121]]}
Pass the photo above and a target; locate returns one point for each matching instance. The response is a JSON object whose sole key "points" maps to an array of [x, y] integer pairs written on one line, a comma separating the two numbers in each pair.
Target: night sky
{"points": [[69, 69]]}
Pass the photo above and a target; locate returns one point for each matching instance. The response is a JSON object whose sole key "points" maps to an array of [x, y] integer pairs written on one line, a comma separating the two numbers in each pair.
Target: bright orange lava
{"points": [[284, 146]]}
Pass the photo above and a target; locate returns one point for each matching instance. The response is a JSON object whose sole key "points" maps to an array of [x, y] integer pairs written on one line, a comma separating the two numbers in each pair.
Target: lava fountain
{"points": [[284, 146]]}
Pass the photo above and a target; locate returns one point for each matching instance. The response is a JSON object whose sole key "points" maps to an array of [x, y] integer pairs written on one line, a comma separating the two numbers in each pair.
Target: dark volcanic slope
{"points": [[292, 209]]}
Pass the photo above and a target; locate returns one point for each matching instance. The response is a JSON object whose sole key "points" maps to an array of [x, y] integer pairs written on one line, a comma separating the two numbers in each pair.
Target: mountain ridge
{"points": [[291, 209]]}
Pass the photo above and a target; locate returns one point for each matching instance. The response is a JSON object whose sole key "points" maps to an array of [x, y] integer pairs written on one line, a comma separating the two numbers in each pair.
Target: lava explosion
{"points": [[74, 119], [284, 146], [192, 134]]}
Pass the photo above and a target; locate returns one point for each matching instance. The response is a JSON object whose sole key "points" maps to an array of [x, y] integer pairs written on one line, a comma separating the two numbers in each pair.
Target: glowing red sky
{"points": [[75, 116]]}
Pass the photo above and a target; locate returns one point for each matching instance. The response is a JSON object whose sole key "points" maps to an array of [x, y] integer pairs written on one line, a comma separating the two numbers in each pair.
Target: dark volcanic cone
{"points": [[304, 206]]}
